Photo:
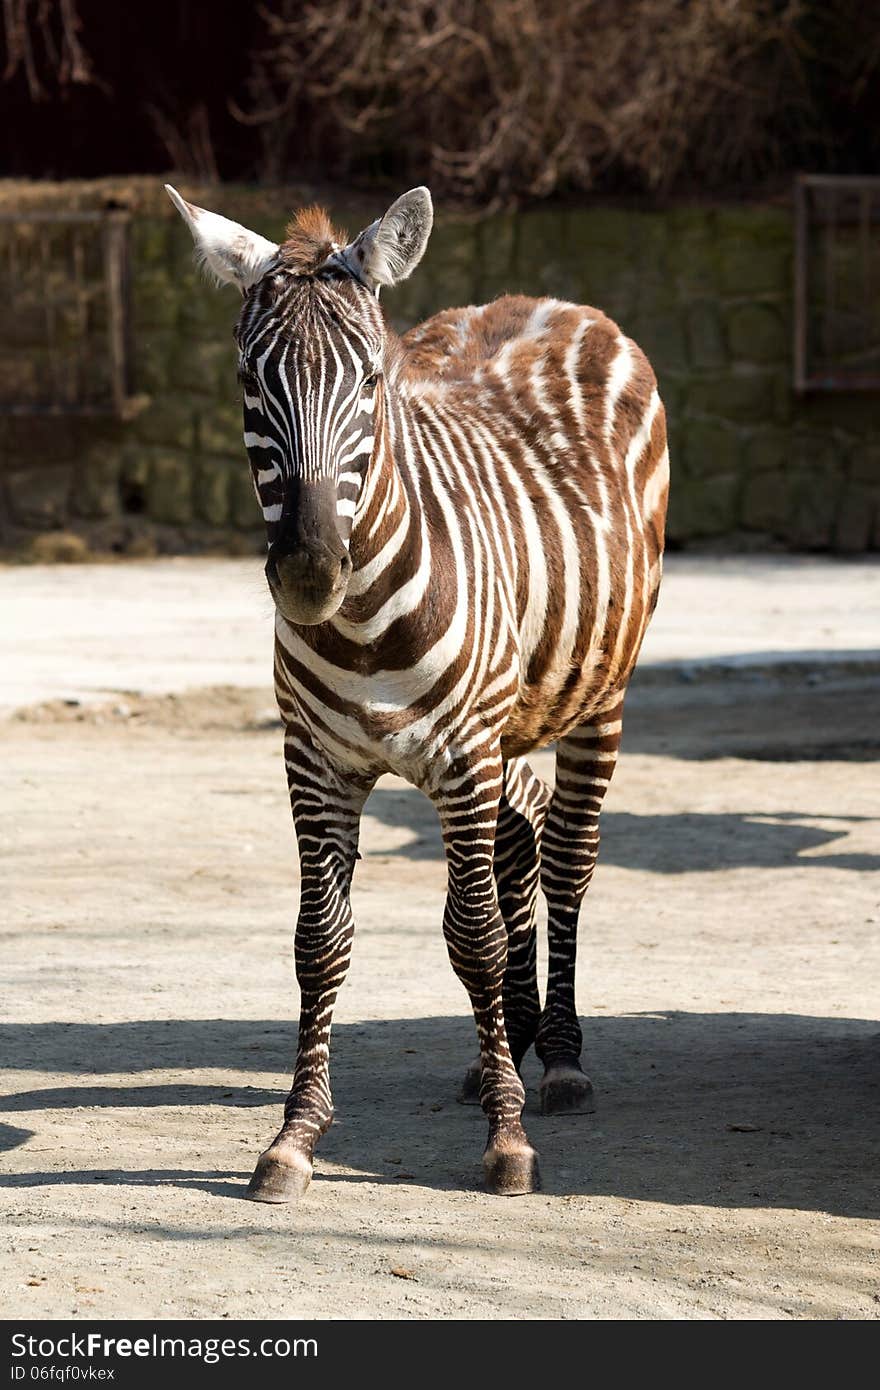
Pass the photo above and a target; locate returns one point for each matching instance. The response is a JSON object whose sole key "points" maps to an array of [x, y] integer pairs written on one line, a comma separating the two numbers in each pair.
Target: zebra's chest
{"points": [[403, 719]]}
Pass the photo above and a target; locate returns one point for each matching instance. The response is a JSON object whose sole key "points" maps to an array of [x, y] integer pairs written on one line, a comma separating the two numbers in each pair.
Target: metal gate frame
{"points": [[867, 192], [114, 228]]}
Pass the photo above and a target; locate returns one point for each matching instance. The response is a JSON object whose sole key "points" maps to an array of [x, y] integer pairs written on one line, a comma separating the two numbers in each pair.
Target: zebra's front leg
{"points": [[521, 814], [476, 939], [585, 761], [326, 804]]}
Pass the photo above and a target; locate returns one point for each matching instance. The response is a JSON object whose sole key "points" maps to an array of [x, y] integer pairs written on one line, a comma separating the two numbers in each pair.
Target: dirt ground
{"points": [[158, 626], [728, 972]]}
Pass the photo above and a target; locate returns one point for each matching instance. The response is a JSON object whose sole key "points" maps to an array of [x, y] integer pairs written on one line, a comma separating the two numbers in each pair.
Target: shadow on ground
{"points": [[720, 1110], [806, 715], [686, 842]]}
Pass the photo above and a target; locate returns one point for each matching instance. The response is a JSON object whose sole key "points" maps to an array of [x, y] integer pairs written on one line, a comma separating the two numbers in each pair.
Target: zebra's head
{"points": [[313, 357]]}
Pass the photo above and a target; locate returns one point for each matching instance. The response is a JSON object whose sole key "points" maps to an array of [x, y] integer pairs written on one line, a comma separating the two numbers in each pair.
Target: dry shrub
{"points": [[490, 100], [59, 547], [45, 34], [503, 99]]}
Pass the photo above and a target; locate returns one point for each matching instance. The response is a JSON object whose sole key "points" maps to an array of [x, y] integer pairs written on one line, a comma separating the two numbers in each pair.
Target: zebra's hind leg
{"points": [[326, 805], [476, 938], [521, 815], [585, 761]]}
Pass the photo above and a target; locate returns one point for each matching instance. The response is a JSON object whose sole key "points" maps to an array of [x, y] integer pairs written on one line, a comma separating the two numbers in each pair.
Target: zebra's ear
{"points": [[234, 255], [389, 249]]}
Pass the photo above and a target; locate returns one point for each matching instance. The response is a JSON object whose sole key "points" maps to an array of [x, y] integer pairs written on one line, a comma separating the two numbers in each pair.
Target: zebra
{"points": [[465, 537]]}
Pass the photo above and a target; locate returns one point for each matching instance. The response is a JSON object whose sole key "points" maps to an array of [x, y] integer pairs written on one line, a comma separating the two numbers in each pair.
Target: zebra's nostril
{"points": [[317, 570], [308, 585]]}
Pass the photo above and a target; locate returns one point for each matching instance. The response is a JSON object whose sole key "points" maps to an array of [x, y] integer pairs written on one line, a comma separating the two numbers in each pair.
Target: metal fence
{"points": [[837, 284], [64, 280]]}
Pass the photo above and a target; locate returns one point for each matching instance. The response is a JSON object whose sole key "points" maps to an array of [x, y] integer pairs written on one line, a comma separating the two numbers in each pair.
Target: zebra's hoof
{"points": [[279, 1179], [512, 1172], [566, 1091], [470, 1086]]}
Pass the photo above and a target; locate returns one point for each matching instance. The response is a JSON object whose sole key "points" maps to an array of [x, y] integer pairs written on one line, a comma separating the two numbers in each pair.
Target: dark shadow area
{"points": [[98, 1097], [154, 66], [801, 714], [792, 662], [692, 842], [11, 1137], [102, 1049], [202, 1180], [687, 842], [722, 1110]]}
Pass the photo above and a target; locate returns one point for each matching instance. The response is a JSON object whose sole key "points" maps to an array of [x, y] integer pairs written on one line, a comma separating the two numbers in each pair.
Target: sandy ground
{"points": [[727, 976], [156, 626]]}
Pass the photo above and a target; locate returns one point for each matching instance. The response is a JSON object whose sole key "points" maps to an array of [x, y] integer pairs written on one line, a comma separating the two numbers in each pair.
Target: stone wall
{"points": [[706, 291]]}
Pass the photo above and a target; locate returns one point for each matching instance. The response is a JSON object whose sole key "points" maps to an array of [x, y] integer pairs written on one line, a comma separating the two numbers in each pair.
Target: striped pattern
{"points": [[316, 409], [500, 478]]}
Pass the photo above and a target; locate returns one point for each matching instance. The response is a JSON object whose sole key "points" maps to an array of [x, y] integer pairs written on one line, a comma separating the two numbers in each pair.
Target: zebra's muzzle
{"points": [[309, 583]]}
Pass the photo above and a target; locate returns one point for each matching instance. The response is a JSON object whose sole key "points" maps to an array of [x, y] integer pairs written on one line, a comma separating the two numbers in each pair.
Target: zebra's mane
{"points": [[311, 238]]}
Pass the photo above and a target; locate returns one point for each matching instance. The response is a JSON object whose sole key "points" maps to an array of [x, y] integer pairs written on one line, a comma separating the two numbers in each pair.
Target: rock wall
{"points": [[706, 291]]}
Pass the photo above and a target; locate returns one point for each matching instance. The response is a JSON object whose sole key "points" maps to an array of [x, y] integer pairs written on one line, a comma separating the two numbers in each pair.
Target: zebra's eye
{"points": [[248, 380], [369, 381]]}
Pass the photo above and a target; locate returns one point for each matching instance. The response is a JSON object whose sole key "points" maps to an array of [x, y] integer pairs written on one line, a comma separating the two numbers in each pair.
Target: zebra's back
{"points": [[559, 414]]}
